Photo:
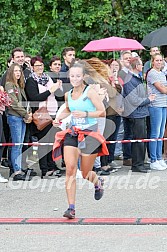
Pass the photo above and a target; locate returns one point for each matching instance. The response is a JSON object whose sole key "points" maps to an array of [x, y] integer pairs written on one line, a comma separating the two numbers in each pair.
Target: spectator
{"points": [[125, 62], [40, 91], [17, 116], [27, 60], [153, 50], [135, 112], [135, 55], [164, 70], [126, 67], [2, 109], [55, 67], [6, 131], [55, 74], [9, 61], [106, 80], [116, 67], [68, 55], [17, 56], [157, 85]]}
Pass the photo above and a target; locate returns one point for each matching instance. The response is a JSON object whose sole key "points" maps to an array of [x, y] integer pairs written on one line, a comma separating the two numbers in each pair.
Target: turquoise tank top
{"points": [[83, 103]]}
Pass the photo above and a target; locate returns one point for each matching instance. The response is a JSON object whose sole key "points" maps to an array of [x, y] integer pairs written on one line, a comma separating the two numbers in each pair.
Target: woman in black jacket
{"points": [[40, 91]]}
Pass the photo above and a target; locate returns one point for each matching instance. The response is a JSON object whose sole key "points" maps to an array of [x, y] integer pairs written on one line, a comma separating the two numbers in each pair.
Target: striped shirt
{"points": [[153, 77]]}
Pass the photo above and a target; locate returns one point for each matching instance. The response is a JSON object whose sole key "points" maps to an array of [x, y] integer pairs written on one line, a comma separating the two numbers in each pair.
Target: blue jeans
{"points": [[120, 136], [17, 130], [157, 124]]}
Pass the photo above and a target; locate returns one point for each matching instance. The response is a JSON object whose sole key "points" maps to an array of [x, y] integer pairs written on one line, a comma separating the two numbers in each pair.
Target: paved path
{"points": [[120, 221]]}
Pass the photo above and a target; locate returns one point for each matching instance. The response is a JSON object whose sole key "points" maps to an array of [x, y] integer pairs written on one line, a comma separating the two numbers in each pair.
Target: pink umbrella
{"points": [[112, 44]]}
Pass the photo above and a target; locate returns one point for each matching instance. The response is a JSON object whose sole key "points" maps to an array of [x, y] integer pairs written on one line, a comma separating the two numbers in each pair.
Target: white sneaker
{"points": [[114, 165], [156, 166], [148, 161], [3, 180], [162, 163], [79, 174]]}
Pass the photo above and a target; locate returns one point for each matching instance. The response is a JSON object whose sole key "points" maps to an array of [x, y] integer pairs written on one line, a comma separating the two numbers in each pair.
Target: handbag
{"points": [[41, 118]]}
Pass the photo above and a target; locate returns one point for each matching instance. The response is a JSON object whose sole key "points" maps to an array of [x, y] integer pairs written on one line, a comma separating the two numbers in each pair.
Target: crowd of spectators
{"points": [[134, 98]]}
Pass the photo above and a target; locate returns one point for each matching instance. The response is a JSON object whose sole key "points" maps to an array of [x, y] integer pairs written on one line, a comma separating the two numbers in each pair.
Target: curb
{"points": [[86, 221]]}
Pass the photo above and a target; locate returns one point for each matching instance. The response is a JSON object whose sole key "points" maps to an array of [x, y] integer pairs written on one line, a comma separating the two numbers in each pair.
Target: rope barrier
{"points": [[107, 142]]}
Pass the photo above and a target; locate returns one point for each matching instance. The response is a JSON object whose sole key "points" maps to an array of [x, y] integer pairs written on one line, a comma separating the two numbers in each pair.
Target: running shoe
{"points": [[29, 172], [20, 176], [99, 191], [69, 213]]}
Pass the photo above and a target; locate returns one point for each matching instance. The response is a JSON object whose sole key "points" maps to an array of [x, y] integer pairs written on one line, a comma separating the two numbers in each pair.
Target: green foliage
{"points": [[46, 27]]}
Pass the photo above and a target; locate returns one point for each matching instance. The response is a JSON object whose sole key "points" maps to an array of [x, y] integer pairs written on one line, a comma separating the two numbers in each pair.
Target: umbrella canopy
{"points": [[156, 38], [112, 44]]}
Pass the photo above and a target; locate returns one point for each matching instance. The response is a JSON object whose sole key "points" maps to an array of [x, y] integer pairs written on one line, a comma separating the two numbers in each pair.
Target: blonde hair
{"points": [[154, 56], [99, 71]]}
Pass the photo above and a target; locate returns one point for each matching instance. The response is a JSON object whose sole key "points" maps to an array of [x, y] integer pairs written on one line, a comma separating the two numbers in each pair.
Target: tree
{"points": [[46, 27]]}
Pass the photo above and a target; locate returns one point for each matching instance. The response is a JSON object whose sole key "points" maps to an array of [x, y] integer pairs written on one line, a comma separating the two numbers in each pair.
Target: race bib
{"points": [[79, 121]]}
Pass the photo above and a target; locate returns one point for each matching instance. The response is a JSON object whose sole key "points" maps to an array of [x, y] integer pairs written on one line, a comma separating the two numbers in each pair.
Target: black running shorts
{"points": [[92, 145]]}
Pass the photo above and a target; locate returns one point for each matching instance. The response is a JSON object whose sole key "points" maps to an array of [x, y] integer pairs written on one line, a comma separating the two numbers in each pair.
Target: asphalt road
{"points": [[126, 196]]}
